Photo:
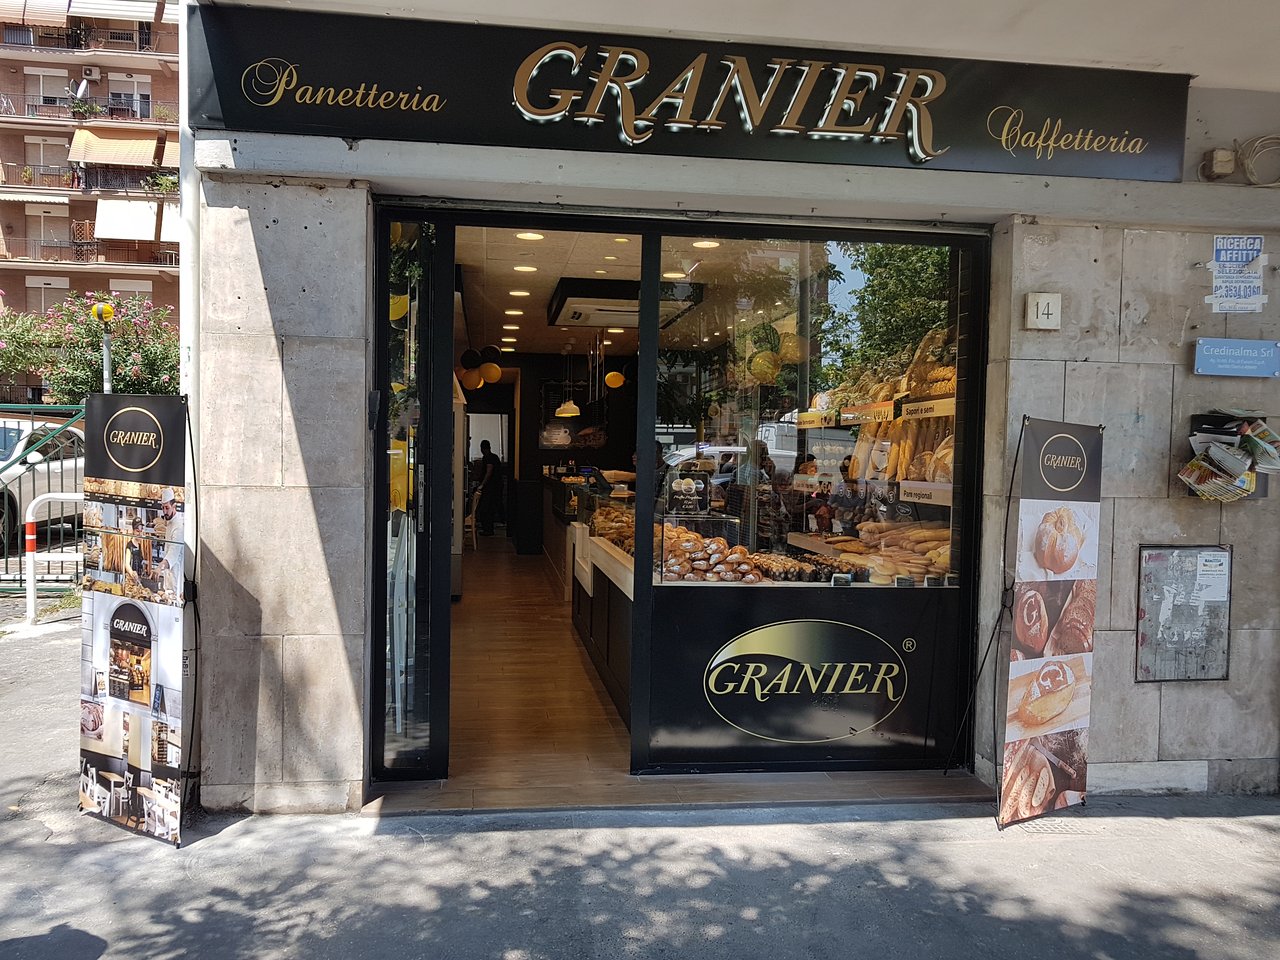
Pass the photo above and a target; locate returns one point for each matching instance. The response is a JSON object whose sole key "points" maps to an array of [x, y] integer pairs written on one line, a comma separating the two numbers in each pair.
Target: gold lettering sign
{"points": [[1010, 127], [268, 82], [133, 439]]}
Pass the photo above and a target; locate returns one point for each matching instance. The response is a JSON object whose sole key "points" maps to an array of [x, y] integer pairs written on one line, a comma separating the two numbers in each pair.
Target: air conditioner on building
{"points": [[92, 73]]}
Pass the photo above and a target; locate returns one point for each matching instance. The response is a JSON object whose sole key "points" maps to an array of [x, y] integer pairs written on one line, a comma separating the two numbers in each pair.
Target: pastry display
{"points": [[616, 525], [1049, 694], [1058, 540], [687, 556]]}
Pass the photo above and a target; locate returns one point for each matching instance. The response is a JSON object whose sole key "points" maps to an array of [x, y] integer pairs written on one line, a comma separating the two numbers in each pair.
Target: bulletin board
{"points": [[1184, 612]]}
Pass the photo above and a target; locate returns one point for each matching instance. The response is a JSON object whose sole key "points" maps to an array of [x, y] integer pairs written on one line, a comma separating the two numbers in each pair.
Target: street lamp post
{"points": [[103, 312]]}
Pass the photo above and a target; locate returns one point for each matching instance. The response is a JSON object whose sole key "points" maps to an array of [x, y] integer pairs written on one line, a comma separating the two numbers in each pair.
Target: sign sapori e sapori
{"points": [[361, 77], [805, 681]]}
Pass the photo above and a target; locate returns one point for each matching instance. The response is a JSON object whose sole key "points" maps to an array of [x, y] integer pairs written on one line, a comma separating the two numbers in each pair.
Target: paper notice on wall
{"points": [[1237, 268], [1213, 576]]}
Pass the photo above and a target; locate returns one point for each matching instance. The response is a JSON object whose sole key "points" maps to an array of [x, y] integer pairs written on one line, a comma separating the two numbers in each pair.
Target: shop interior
{"points": [[802, 436]]}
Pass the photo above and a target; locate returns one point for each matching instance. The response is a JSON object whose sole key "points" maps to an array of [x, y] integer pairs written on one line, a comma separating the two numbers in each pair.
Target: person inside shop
{"points": [[170, 566], [136, 549], [757, 467], [490, 488]]}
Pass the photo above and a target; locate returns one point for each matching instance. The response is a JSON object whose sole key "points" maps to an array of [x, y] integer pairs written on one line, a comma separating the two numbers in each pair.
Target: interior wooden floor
{"points": [[532, 727]]}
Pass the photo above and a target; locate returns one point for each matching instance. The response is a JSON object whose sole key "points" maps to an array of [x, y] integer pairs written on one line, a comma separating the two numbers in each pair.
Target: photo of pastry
{"points": [[1053, 618], [1048, 695], [128, 491], [91, 724], [1043, 773], [1057, 541]]}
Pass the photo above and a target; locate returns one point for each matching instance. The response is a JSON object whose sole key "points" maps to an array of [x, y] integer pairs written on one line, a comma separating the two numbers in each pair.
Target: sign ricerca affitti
{"points": [[354, 77]]}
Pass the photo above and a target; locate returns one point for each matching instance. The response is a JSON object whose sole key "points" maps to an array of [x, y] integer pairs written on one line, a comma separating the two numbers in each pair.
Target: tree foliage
{"points": [[904, 297], [64, 346]]}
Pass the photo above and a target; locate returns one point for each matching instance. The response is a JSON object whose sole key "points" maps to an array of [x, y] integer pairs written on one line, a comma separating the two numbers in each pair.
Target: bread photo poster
{"points": [[1055, 600]]}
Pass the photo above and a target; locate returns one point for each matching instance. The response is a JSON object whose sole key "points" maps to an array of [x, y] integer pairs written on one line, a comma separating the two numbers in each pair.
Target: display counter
{"points": [[559, 510]]}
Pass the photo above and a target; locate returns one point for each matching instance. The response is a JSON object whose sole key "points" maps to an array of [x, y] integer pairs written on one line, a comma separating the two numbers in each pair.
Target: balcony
{"points": [[131, 252], [124, 179], [40, 175], [139, 39], [52, 107]]}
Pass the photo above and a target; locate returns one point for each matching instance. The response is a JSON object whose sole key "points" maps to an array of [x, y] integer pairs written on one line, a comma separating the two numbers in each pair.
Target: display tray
{"points": [[615, 563]]}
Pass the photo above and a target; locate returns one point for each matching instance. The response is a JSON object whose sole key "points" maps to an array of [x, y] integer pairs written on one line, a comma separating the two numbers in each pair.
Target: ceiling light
{"points": [[511, 326], [611, 257], [615, 330], [674, 275], [529, 235], [508, 339], [514, 313], [706, 339], [607, 343], [519, 293], [621, 239], [508, 349], [706, 244], [568, 409], [602, 271], [526, 268]]}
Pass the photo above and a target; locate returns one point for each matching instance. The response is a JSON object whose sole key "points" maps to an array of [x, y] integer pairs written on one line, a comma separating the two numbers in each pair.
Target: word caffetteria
{"points": [[860, 100], [269, 81], [760, 680], [1009, 126]]}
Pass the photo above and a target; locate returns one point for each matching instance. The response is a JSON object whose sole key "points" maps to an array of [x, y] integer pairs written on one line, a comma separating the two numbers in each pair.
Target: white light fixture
{"points": [[615, 330], [511, 326], [525, 268], [706, 244], [607, 343], [508, 349], [514, 313], [611, 257], [508, 339], [529, 235], [674, 275], [621, 239], [518, 293], [602, 271]]}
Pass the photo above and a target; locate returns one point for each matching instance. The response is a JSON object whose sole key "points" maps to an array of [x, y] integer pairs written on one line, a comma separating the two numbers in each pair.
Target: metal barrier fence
{"points": [[41, 451]]}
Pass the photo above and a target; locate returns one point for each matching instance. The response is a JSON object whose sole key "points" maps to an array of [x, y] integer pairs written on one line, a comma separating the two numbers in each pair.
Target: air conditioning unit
{"points": [[92, 73]]}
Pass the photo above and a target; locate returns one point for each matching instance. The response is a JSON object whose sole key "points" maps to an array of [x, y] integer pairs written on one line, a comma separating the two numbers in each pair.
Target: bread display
{"points": [[1058, 540], [686, 556], [1073, 633], [616, 525], [1049, 694]]}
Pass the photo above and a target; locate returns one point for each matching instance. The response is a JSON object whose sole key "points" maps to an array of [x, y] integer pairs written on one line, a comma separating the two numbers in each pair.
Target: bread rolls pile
{"points": [[688, 556], [616, 525]]}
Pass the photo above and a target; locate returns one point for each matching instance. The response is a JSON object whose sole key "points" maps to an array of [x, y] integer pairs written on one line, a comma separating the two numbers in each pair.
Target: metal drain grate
{"points": [[1069, 826]]}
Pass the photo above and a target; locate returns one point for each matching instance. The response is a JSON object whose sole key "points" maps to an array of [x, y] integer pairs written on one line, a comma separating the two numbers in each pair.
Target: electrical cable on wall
{"points": [[190, 795], [1251, 151]]}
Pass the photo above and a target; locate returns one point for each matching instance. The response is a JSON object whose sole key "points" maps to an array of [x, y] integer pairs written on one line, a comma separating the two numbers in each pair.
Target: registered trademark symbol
{"points": [[909, 644]]}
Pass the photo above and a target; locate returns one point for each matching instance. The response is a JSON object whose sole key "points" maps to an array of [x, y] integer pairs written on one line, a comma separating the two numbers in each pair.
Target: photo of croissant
{"points": [[1057, 541], [1048, 695], [1053, 618]]}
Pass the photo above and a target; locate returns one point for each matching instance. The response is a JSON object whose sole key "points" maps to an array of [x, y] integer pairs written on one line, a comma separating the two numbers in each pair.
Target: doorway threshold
{"points": [[681, 790]]}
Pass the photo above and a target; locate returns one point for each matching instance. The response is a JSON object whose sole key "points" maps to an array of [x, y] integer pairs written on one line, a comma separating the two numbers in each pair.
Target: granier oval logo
{"points": [[133, 439], [805, 681], [1063, 462]]}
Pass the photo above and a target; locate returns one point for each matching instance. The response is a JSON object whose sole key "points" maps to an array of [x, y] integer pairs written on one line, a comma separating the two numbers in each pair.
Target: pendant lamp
{"points": [[568, 408]]}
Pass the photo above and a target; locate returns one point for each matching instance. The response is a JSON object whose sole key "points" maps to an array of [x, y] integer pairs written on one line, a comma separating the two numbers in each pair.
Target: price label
{"points": [[915, 491], [919, 409]]}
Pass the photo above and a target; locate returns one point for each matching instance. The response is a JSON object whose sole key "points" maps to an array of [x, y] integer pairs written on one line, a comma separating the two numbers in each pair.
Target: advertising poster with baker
{"points": [[1055, 599], [131, 660]]}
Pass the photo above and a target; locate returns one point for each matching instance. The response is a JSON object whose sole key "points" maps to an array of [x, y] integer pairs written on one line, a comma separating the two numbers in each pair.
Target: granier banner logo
{"points": [[1063, 462], [133, 439], [805, 681]]}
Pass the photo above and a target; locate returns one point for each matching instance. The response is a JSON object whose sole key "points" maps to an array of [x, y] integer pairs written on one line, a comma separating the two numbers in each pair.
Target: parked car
{"points": [[32, 464]]}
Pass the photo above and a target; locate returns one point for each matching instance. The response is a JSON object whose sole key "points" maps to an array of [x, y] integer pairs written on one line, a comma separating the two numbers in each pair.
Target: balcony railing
{"points": [[124, 179], [41, 175], [55, 107], [91, 251], [139, 39]]}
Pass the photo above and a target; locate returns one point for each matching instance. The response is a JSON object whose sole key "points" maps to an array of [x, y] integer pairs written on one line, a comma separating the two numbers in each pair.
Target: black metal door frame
{"points": [[436, 441]]}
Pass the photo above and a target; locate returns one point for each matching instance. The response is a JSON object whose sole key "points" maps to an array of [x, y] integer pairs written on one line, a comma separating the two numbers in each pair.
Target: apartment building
{"points": [[88, 149]]}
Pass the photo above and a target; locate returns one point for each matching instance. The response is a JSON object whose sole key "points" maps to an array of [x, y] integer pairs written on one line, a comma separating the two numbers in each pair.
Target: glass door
{"points": [[410, 607]]}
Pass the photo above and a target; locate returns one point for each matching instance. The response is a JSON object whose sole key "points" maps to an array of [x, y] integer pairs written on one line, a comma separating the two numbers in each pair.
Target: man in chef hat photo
{"points": [[171, 565]]}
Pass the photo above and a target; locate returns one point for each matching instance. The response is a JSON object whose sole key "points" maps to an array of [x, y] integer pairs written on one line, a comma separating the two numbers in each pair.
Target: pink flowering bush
{"points": [[64, 346]]}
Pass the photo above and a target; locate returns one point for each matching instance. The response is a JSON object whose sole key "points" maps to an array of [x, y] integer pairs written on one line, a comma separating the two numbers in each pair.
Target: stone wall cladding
{"points": [[1133, 305]]}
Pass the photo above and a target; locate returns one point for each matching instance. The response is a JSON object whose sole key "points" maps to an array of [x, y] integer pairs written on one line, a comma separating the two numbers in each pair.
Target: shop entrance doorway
{"points": [[802, 444]]}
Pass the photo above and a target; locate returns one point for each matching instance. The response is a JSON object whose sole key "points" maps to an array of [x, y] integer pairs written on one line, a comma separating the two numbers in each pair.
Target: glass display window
{"points": [[811, 390]]}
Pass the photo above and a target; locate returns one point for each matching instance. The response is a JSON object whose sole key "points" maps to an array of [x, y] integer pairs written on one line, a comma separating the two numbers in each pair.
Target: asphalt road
{"points": [[1168, 877]]}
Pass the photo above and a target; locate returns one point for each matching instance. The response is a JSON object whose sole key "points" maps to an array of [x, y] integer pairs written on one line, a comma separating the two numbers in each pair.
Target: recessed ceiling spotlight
{"points": [[508, 349], [514, 313], [509, 340], [615, 330], [529, 235], [602, 271], [674, 275], [511, 326], [611, 257], [706, 244], [621, 239], [525, 268], [607, 343], [519, 293]]}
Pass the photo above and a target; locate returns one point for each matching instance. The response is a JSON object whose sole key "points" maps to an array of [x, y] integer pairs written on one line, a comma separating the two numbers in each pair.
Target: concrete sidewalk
{"points": [[1176, 877]]}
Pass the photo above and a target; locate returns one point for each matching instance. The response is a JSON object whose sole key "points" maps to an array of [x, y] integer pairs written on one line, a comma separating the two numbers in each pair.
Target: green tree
{"points": [[904, 297], [64, 346]]}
